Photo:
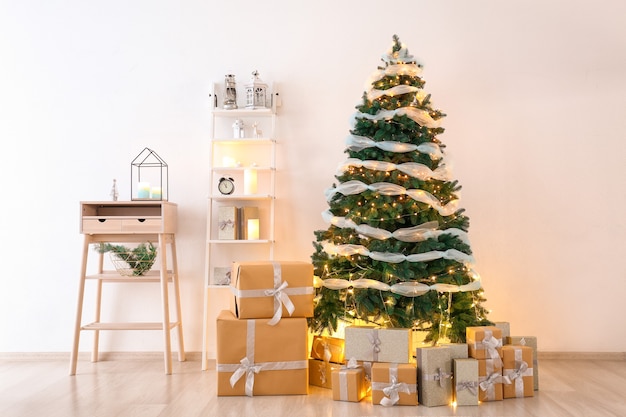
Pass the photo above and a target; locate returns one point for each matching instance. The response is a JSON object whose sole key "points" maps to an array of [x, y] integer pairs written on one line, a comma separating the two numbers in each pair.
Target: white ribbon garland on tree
{"points": [[358, 143], [386, 188], [374, 93], [349, 250], [406, 289], [413, 169], [411, 70], [421, 117], [418, 233]]}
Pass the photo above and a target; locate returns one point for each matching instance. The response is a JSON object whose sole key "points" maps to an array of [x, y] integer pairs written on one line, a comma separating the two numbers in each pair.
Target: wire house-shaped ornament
{"points": [[148, 177]]}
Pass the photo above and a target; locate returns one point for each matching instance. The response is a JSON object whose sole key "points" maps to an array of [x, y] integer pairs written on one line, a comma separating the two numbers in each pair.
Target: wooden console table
{"points": [[130, 222]]}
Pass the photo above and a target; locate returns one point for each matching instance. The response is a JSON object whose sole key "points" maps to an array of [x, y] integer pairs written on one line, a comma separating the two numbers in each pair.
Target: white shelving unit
{"points": [[231, 157]]}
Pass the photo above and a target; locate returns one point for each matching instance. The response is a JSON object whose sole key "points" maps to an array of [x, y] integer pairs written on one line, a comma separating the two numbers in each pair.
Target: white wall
{"points": [[534, 93]]}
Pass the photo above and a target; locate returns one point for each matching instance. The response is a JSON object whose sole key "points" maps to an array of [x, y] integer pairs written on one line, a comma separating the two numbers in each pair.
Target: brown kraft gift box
{"points": [[489, 380], [517, 371], [532, 342], [260, 359], [399, 379], [484, 342], [348, 383], [266, 289]]}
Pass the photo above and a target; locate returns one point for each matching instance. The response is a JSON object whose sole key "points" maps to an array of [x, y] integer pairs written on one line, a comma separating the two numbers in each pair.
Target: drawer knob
{"points": [[102, 220], [141, 220]]}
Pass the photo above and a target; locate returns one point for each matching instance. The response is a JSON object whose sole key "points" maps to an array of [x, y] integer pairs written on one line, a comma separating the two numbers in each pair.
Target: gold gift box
{"points": [[370, 343], [434, 371], [457, 350], [517, 371], [348, 384], [320, 373], [489, 380], [476, 335], [255, 283], [401, 375], [532, 342], [329, 349], [465, 381], [279, 353]]}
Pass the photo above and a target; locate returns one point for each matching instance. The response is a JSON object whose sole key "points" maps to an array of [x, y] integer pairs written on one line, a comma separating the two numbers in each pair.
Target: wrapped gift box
{"points": [[457, 350], [272, 289], [465, 381], [348, 383], [394, 384], [329, 349], [227, 222], [434, 376], [505, 329], [517, 371], [320, 373], [369, 343], [484, 342], [532, 342], [255, 358], [489, 380]]}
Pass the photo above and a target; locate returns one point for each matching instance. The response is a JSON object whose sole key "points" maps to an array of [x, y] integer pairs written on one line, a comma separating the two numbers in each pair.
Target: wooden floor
{"points": [[137, 386]]}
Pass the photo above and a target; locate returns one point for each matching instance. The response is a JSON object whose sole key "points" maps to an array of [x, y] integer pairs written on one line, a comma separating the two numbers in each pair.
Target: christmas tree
{"points": [[396, 252]]}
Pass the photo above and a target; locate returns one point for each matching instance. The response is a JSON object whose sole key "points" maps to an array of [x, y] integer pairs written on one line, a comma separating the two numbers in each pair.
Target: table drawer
{"points": [[142, 225], [102, 226]]}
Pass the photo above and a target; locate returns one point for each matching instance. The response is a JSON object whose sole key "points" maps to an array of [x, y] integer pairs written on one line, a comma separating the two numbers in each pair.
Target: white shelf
{"points": [[247, 151], [240, 197], [220, 112], [239, 241]]}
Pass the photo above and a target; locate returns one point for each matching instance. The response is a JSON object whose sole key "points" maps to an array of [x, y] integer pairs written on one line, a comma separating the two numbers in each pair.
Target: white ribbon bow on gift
{"points": [[492, 379], [249, 369], [280, 298], [375, 342], [393, 392], [491, 344]]}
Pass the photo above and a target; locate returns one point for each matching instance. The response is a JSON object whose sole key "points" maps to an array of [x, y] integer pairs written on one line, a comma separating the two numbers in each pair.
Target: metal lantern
{"points": [[256, 92], [148, 177], [230, 98]]}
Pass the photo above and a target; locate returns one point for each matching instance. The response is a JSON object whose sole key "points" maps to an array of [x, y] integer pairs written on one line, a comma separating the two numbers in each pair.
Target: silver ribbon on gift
{"points": [[375, 342], [393, 388], [322, 369], [471, 386], [280, 292], [441, 376], [491, 345], [343, 378], [514, 376], [226, 223], [249, 368]]}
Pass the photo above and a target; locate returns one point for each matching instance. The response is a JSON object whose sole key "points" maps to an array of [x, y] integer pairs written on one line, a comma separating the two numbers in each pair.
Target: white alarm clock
{"points": [[226, 185]]}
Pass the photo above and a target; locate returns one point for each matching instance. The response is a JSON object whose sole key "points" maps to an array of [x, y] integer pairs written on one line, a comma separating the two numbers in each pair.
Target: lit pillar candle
{"points": [[253, 229], [155, 193], [250, 181], [143, 190], [228, 162]]}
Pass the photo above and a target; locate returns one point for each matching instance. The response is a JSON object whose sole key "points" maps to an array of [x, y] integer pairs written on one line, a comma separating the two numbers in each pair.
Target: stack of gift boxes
{"points": [[262, 341], [380, 362], [263, 349]]}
